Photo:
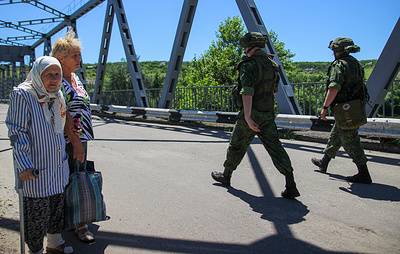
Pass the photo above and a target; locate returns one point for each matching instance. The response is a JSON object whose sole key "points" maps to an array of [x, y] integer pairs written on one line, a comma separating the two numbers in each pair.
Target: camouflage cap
{"points": [[343, 44], [253, 39]]}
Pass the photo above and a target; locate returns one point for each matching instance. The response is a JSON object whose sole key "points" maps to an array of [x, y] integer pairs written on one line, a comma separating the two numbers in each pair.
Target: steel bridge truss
{"points": [[385, 72], [378, 84], [20, 50]]}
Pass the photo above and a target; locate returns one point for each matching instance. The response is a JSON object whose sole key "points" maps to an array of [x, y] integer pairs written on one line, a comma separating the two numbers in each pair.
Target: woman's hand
{"points": [[27, 175], [78, 152]]}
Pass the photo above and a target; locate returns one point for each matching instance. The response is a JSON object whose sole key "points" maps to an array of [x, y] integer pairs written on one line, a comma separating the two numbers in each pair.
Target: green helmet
{"points": [[253, 39], [343, 44]]}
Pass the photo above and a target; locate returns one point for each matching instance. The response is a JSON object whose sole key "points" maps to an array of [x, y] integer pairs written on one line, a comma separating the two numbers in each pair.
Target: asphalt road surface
{"points": [[161, 198]]}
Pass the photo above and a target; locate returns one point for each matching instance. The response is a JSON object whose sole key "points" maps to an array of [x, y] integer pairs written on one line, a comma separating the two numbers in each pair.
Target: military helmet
{"points": [[343, 44], [253, 39]]}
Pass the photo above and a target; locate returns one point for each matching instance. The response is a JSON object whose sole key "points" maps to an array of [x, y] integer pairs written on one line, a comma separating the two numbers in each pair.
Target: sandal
{"points": [[60, 249], [84, 235]]}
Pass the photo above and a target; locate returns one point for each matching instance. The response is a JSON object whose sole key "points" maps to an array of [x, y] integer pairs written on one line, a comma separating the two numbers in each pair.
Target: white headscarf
{"points": [[33, 84]]}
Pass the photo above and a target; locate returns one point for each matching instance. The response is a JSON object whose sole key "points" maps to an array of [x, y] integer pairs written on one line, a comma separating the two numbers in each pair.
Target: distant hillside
{"points": [[154, 72], [322, 67]]}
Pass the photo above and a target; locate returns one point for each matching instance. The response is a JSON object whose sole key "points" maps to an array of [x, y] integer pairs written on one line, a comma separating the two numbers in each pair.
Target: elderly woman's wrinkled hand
{"points": [[27, 175], [78, 152]]}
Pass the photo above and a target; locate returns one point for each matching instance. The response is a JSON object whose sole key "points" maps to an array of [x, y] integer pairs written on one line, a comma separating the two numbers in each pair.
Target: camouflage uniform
{"points": [[346, 75], [258, 77], [340, 73], [262, 113]]}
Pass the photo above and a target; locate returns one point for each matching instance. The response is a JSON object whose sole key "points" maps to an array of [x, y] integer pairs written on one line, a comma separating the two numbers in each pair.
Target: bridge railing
{"points": [[375, 127], [310, 97]]}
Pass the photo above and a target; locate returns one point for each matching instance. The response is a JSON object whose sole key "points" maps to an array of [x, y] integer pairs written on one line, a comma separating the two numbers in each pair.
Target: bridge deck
{"points": [[161, 198]]}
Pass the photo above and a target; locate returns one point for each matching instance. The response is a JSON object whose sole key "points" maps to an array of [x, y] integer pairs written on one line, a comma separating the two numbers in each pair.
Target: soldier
{"points": [[345, 85], [257, 83]]}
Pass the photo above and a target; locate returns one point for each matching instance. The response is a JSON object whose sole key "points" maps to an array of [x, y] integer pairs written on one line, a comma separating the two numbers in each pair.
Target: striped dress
{"points": [[36, 146], [78, 105]]}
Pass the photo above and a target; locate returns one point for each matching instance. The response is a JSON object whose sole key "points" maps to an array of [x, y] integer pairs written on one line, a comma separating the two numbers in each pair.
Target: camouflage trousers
{"points": [[350, 141], [242, 136]]}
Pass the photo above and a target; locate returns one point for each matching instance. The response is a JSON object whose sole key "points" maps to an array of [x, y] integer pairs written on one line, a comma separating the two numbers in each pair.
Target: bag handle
{"points": [[77, 166]]}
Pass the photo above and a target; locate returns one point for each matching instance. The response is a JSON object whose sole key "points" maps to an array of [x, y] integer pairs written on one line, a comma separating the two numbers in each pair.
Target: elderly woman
{"points": [[68, 51], [35, 120]]}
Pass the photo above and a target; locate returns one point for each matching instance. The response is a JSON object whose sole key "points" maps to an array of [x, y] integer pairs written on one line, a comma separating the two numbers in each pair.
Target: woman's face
{"points": [[51, 78], [71, 61]]}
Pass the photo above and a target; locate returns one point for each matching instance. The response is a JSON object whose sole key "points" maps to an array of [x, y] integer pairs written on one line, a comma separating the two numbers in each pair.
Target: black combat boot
{"points": [[362, 176], [291, 191], [223, 178], [322, 164]]}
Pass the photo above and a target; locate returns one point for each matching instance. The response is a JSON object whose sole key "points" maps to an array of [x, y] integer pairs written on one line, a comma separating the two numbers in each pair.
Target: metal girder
{"points": [[103, 52], [39, 5], [133, 65], [22, 69], [85, 9], [11, 43], [384, 72], [14, 2], [46, 8], [22, 38], [285, 97], [14, 73], [20, 28], [47, 47], [77, 14], [14, 53], [39, 21], [178, 52], [32, 58]]}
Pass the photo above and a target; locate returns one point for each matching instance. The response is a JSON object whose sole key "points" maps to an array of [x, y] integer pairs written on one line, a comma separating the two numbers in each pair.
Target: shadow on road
{"points": [[161, 140], [317, 149], [9, 224], [274, 209], [270, 244], [281, 212], [5, 150], [375, 191], [218, 133]]}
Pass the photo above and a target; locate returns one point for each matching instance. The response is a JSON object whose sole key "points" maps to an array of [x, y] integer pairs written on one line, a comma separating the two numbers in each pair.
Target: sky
{"points": [[305, 26]]}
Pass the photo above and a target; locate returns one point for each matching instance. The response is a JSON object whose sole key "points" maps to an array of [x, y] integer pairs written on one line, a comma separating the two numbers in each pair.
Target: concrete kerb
{"points": [[305, 128]]}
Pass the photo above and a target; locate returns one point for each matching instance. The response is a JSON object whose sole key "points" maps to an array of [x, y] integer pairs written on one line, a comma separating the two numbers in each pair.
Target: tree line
{"points": [[217, 67]]}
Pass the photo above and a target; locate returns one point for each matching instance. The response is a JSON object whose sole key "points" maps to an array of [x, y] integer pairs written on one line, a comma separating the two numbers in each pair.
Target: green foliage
{"points": [[90, 70], [217, 65], [153, 73], [118, 77]]}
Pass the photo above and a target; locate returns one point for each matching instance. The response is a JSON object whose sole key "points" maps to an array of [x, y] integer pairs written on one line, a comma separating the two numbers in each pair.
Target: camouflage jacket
{"points": [[258, 77]]}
